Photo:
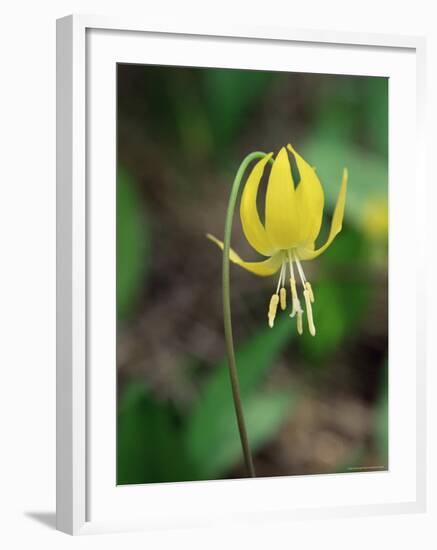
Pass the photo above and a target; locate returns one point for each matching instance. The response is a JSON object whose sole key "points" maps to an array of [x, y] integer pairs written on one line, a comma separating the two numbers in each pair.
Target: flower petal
{"points": [[264, 268], [336, 224], [253, 228], [282, 223], [310, 199]]}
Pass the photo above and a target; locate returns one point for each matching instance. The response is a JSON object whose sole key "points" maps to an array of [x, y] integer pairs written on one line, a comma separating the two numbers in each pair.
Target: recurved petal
{"points": [[309, 199], [264, 268], [282, 223], [336, 224], [253, 228]]}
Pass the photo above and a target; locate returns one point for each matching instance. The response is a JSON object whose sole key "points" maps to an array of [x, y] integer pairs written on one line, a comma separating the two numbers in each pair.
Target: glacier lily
{"points": [[293, 217]]}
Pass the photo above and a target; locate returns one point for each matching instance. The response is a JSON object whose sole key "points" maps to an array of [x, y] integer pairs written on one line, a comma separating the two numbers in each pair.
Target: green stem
{"points": [[227, 312]]}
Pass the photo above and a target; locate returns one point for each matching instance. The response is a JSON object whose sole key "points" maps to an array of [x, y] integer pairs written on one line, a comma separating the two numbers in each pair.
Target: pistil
{"points": [[296, 307]]}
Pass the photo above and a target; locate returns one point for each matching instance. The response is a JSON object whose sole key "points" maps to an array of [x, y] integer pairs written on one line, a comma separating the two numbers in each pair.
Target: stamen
{"points": [[308, 295], [299, 322], [311, 326], [296, 307], [273, 306], [274, 300], [300, 269], [283, 298], [281, 289], [281, 276], [310, 290]]}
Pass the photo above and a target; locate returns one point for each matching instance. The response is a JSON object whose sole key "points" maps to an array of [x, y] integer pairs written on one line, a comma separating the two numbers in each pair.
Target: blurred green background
{"points": [[313, 405]]}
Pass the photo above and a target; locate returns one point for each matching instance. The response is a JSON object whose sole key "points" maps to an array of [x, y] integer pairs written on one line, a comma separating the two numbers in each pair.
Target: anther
{"points": [[311, 326], [273, 306], [299, 322], [283, 298]]}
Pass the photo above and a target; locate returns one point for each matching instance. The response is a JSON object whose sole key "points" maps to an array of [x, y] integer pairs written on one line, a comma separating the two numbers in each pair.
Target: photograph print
{"points": [[252, 274]]}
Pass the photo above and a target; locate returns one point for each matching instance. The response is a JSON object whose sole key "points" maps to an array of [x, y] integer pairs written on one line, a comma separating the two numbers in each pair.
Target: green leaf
{"points": [[354, 108], [330, 322], [337, 310], [212, 425], [349, 245], [132, 244], [368, 174], [376, 115], [150, 447], [264, 414], [231, 96], [337, 108]]}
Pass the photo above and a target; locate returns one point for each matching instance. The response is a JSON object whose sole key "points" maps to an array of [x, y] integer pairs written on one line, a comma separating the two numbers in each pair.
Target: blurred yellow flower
{"points": [[293, 217], [375, 218]]}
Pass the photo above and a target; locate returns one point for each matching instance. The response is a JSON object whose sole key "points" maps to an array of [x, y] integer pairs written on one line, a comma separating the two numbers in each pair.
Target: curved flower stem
{"points": [[227, 312]]}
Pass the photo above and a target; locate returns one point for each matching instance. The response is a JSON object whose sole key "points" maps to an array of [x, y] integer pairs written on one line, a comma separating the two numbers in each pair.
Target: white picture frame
{"points": [[88, 48]]}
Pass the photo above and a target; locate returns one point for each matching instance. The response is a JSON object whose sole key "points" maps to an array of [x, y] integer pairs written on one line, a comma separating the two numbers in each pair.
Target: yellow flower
{"points": [[375, 218], [293, 217]]}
